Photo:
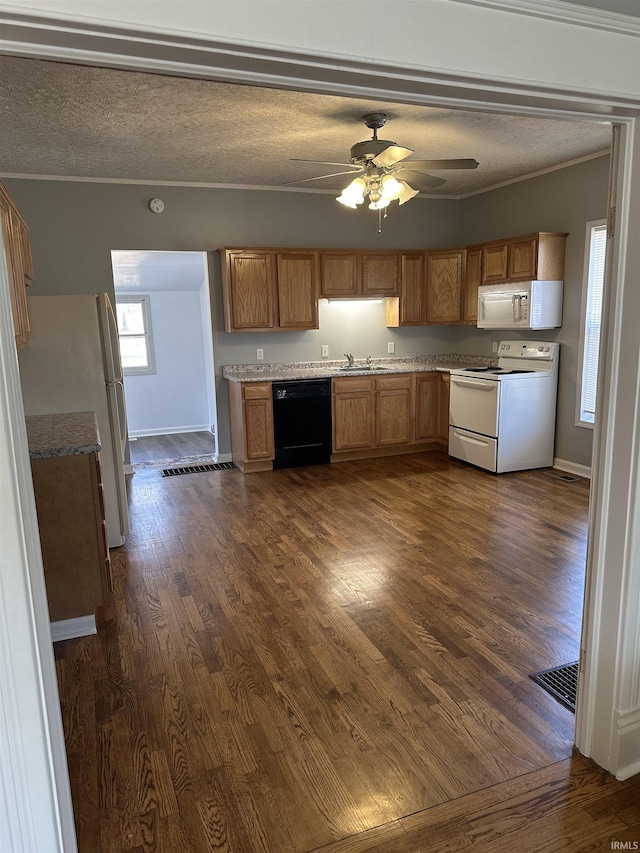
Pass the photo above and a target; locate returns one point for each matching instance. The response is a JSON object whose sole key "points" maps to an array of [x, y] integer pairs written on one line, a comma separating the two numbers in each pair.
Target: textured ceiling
{"points": [[77, 121]]}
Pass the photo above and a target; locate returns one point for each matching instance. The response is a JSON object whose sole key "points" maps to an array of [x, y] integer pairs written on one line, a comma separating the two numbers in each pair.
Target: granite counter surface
{"points": [[66, 434], [282, 372]]}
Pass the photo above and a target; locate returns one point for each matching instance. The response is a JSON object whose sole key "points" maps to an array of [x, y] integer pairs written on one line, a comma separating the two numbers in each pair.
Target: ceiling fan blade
{"points": [[319, 177], [323, 162], [427, 180], [392, 155], [461, 163]]}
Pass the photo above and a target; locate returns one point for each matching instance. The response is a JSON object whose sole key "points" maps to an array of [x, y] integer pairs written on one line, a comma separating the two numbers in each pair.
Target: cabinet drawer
{"points": [[347, 384], [257, 391], [393, 383]]}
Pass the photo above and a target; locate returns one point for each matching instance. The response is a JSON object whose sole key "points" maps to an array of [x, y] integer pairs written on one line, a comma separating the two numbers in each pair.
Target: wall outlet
{"points": [[325, 351], [494, 346], [391, 348], [260, 354]]}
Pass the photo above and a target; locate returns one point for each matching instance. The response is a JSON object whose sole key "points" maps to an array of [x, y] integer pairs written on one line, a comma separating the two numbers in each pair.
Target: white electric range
{"points": [[503, 418]]}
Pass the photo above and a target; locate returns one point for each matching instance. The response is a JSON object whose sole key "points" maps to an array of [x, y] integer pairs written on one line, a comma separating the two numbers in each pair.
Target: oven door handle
{"points": [[478, 384]]}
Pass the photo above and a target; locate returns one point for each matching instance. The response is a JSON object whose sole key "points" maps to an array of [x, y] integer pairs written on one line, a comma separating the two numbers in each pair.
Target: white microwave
{"points": [[520, 305]]}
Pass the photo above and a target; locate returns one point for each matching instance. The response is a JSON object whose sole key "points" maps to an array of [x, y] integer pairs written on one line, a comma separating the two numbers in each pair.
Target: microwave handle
{"points": [[516, 303]]}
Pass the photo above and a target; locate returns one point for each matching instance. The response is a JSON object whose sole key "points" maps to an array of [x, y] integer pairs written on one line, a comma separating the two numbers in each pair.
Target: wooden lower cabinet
{"points": [[393, 410], [352, 412], [251, 411], [444, 386], [384, 415], [70, 508], [427, 417]]}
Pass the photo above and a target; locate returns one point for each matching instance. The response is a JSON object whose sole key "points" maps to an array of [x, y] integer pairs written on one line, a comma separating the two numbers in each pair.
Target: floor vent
{"points": [[197, 469], [562, 475], [561, 682]]}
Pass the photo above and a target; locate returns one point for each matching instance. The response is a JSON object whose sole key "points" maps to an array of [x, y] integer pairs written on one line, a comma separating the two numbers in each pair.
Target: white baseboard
{"points": [[572, 468], [69, 629], [140, 433]]}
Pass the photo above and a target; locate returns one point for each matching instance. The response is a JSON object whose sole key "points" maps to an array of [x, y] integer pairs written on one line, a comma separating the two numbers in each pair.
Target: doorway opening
{"points": [[164, 324]]}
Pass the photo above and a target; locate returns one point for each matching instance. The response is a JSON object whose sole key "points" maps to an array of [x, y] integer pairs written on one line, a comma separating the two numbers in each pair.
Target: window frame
{"points": [[145, 301], [590, 227]]}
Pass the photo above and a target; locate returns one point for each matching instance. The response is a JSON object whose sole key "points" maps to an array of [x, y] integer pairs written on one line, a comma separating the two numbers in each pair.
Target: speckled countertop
{"points": [[67, 434], [278, 372]]}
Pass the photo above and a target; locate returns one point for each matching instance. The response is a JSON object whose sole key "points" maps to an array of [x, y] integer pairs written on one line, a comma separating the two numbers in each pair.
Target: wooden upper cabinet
{"points": [[268, 290], [297, 290], [472, 280], [15, 238], [355, 274], [528, 257], [494, 263], [380, 273], [410, 307], [249, 291], [444, 286], [340, 274]]}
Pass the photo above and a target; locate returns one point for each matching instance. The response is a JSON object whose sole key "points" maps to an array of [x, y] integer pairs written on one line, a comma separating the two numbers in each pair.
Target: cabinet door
{"points": [[444, 286], [393, 411], [297, 290], [427, 413], [443, 406], [472, 280], [339, 274], [413, 290], [258, 427], [523, 256], [352, 414], [494, 263], [380, 273], [249, 291]]}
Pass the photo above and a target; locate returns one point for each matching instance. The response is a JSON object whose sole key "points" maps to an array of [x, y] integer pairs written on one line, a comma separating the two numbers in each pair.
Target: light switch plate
{"points": [[391, 348], [325, 351], [260, 354]]}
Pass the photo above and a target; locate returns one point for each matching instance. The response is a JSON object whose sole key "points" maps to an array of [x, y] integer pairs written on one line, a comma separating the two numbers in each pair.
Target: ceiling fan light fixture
{"points": [[406, 192], [391, 187]]}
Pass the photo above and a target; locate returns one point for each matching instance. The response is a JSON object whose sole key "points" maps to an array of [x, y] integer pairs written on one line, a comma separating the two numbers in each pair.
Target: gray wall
{"points": [[74, 226], [564, 200]]}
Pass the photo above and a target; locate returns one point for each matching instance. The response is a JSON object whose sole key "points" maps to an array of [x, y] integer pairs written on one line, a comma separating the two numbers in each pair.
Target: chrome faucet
{"points": [[349, 358]]}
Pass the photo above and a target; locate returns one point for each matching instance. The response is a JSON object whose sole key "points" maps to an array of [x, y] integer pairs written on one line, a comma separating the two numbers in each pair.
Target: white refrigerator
{"points": [[72, 364]]}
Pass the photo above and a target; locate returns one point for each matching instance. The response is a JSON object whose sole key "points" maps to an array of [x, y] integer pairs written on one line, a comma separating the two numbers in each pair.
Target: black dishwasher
{"points": [[302, 422]]}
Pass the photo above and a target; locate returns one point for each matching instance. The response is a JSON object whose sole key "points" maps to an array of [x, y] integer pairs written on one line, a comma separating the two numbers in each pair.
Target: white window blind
{"points": [[592, 321]]}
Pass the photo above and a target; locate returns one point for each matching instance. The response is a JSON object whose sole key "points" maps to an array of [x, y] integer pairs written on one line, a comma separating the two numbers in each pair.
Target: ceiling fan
{"points": [[380, 167]]}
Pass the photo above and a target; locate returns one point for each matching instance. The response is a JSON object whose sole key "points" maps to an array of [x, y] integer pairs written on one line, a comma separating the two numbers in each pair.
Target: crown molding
{"points": [[568, 13]]}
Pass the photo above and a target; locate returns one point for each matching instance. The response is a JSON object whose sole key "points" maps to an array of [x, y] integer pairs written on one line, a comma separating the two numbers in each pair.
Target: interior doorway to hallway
{"points": [[164, 319]]}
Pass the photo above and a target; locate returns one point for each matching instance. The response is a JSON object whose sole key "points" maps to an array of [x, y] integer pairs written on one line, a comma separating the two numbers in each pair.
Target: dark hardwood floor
{"points": [[336, 659], [163, 448]]}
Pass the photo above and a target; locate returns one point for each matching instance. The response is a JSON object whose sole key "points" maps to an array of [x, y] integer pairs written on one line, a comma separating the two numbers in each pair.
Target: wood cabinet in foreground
{"points": [[15, 238], [70, 508], [251, 411]]}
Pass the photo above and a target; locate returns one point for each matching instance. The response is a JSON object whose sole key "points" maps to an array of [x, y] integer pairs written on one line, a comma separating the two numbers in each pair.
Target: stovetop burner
{"points": [[495, 370]]}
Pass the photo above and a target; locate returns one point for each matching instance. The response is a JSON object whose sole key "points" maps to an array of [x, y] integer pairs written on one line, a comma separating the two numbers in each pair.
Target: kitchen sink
{"points": [[358, 367]]}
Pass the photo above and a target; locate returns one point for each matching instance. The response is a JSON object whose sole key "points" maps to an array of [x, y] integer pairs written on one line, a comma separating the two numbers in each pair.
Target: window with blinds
{"points": [[592, 318]]}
